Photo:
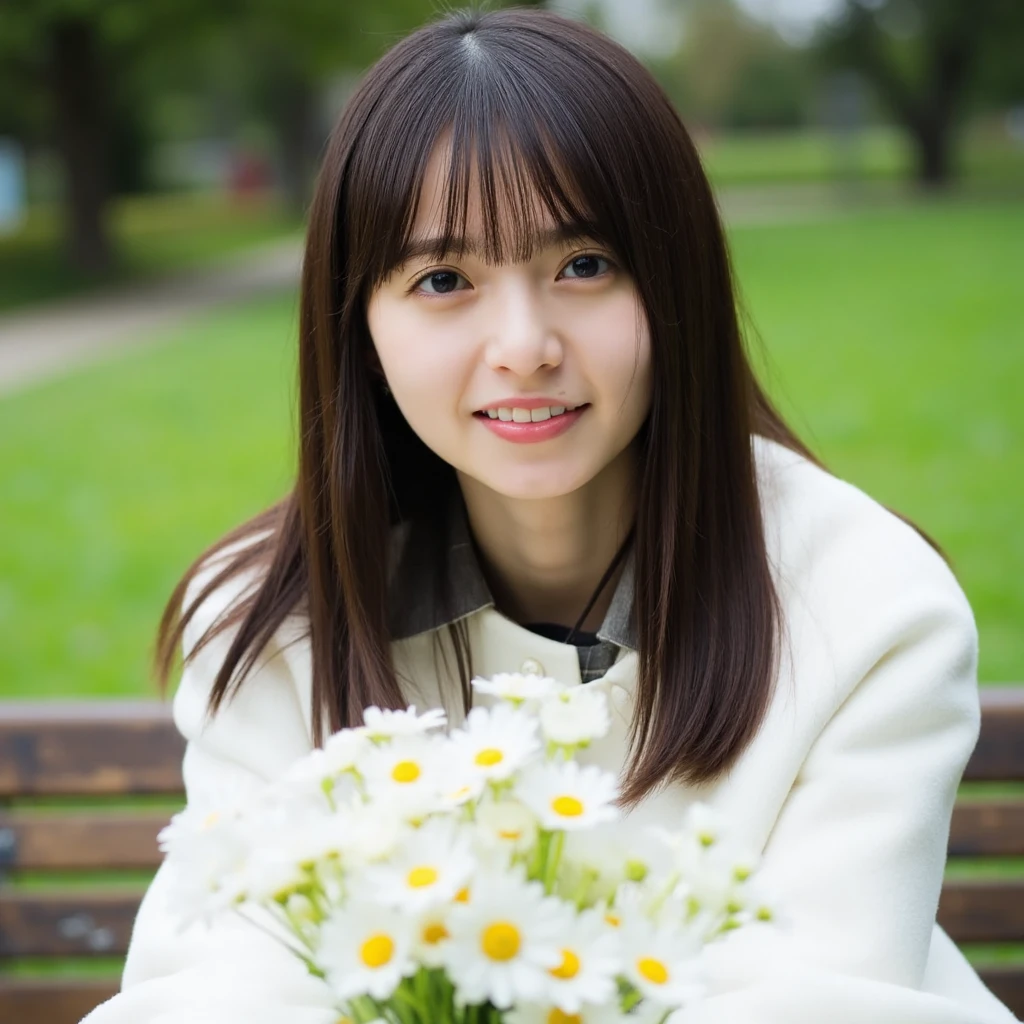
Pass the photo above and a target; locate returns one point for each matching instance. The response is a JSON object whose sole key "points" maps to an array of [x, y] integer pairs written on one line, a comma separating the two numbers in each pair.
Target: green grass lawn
{"points": [[896, 344], [153, 235], [984, 156]]}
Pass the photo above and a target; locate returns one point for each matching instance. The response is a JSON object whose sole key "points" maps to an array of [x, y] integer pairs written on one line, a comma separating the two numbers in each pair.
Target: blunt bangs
{"points": [[539, 140]]}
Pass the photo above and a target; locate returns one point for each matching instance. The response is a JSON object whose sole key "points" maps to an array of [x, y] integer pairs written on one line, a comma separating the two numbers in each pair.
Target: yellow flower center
{"points": [[557, 1016], [405, 771], [211, 819], [613, 919], [434, 933], [567, 806], [488, 757], [462, 896], [652, 970], [421, 877], [500, 941], [377, 950], [510, 833], [569, 967]]}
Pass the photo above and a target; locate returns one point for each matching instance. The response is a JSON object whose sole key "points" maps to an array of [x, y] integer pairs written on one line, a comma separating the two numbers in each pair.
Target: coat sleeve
{"points": [[855, 859], [231, 972]]}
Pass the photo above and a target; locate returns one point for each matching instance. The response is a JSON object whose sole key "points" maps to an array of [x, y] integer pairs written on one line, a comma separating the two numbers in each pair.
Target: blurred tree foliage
{"points": [[928, 61], [733, 72], [84, 77]]}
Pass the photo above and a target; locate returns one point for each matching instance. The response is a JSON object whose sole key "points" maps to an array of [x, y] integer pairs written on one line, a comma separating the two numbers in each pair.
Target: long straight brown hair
{"points": [[542, 107]]}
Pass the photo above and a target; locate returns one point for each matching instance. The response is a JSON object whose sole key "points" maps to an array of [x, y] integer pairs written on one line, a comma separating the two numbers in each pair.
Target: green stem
{"points": [[587, 879], [540, 858], [554, 857], [630, 1000], [403, 995], [423, 995]]}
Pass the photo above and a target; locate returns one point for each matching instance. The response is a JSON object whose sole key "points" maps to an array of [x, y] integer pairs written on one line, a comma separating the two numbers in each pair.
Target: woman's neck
{"points": [[543, 558]]}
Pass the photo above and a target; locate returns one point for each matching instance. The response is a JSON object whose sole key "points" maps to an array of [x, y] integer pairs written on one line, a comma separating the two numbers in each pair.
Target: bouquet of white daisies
{"points": [[470, 877]]}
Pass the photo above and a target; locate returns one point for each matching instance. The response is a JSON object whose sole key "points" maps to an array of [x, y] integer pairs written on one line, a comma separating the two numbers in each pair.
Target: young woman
{"points": [[531, 441]]}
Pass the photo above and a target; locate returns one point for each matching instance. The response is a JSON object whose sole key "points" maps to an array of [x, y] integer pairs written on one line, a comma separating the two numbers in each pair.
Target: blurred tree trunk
{"points": [[82, 129], [949, 42], [295, 117]]}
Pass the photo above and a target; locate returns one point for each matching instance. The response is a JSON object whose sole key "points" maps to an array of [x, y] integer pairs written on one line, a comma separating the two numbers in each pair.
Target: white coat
{"points": [[847, 789]]}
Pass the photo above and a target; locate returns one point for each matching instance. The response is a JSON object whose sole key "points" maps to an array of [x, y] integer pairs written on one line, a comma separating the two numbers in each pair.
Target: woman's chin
{"points": [[533, 484]]}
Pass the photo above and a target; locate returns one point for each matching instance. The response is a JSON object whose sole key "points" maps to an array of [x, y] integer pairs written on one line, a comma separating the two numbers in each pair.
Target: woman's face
{"points": [[529, 377]]}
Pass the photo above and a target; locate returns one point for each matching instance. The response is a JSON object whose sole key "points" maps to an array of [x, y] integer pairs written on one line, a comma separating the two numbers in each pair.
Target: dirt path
{"points": [[59, 337]]}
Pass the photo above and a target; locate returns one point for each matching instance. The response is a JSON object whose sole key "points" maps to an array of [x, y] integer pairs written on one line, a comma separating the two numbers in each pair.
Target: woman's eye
{"points": [[440, 282], [586, 266]]}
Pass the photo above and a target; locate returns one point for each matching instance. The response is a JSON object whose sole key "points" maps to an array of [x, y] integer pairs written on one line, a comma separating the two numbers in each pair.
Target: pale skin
{"points": [[457, 335]]}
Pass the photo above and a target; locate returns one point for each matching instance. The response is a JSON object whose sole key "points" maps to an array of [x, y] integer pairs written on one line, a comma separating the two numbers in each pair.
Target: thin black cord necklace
{"points": [[619, 555]]}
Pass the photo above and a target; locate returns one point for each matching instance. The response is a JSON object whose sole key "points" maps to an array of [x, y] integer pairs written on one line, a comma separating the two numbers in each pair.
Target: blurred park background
{"points": [[156, 161]]}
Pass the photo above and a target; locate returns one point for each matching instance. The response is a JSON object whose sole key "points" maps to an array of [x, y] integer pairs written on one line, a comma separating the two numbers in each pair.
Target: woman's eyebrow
{"points": [[435, 247]]}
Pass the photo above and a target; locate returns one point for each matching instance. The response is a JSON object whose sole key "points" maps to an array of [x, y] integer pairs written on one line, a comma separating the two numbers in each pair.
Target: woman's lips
{"points": [[529, 433]]}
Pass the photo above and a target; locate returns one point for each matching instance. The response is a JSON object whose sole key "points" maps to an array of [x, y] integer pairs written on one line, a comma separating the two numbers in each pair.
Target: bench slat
{"points": [[92, 748], [52, 1000], [126, 840], [987, 828], [69, 924], [999, 755], [99, 922], [983, 910], [96, 841], [86, 748], [1007, 985]]}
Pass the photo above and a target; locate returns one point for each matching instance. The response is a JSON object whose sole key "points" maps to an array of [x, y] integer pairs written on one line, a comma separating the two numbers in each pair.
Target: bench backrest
{"points": [[104, 750]]}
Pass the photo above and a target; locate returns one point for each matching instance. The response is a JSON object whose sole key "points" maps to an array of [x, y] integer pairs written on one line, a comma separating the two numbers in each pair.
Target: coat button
{"points": [[531, 667]]}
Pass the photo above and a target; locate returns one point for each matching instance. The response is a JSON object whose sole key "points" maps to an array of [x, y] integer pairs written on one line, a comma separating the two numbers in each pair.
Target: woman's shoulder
{"points": [[826, 534], [212, 600]]}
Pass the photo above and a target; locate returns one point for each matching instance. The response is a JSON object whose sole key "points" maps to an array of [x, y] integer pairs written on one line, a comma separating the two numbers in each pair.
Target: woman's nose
{"points": [[522, 336]]}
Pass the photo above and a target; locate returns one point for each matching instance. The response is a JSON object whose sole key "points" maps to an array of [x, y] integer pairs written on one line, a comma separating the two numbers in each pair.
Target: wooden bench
{"points": [[98, 749]]}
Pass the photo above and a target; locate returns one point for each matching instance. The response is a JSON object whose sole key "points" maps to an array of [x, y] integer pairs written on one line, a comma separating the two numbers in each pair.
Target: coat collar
{"points": [[418, 604]]}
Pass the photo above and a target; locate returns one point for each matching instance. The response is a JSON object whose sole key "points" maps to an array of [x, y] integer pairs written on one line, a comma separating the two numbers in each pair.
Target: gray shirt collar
{"points": [[416, 605]]}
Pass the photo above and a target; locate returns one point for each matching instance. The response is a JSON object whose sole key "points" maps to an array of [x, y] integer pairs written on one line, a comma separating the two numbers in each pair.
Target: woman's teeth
{"points": [[529, 415]]}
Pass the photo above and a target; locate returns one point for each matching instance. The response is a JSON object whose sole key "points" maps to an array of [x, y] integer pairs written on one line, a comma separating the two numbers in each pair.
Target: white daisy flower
{"points": [[506, 824], [460, 787], [430, 936], [408, 774], [205, 849], [283, 845], [543, 1013], [494, 743], [431, 867], [390, 724], [613, 856], [574, 716], [195, 833], [718, 875], [504, 941], [512, 686], [343, 749], [569, 796], [661, 960], [590, 962], [368, 832], [365, 949]]}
